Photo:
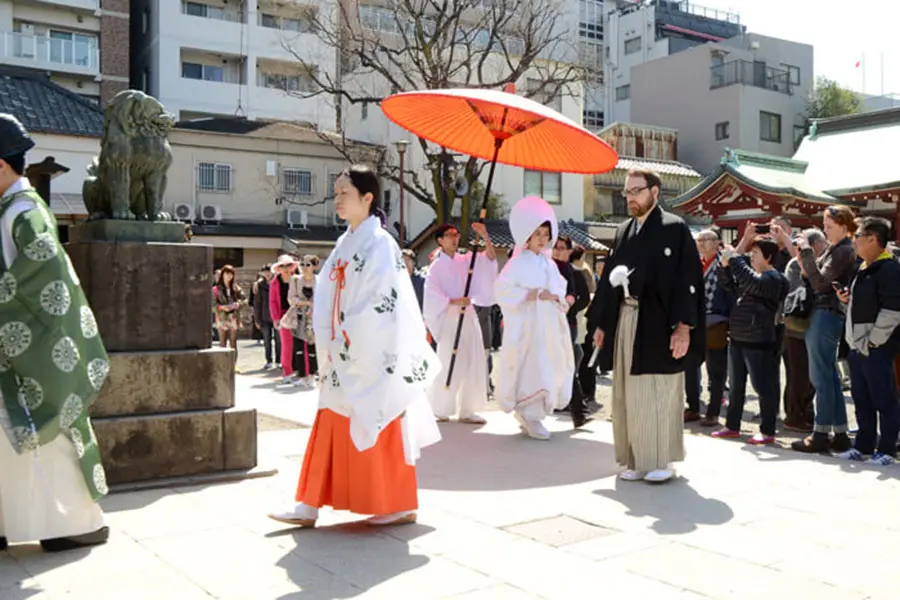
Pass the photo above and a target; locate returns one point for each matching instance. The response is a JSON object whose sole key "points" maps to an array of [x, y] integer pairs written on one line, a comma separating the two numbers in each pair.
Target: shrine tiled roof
{"points": [[45, 107], [663, 167], [770, 174], [853, 153], [577, 232]]}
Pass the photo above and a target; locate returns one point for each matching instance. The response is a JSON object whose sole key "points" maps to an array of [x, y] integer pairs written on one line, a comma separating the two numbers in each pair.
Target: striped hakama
{"points": [[647, 417]]}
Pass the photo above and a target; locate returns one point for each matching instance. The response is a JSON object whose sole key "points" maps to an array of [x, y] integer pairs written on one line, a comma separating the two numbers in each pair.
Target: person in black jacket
{"points": [[760, 291], [873, 316], [578, 298]]}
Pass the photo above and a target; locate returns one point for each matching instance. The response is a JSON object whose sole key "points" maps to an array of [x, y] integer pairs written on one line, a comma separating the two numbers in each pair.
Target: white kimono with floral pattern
{"points": [[375, 360]]}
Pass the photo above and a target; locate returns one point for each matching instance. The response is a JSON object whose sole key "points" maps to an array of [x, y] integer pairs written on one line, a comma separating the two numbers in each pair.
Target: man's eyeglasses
{"points": [[862, 234], [629, 193]]}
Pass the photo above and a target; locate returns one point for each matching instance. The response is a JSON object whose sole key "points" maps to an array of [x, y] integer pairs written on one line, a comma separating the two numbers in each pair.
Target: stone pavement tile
{"points": [[438, 532], [866, 573], [234, 564], [617, 545], [500, 591], [106, 572], [384, 566], [162, 512], [548, 572], [722, 577]]}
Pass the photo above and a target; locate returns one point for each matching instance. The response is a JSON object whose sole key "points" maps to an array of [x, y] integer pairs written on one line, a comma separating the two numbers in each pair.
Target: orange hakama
{"points": [[374, 482]]}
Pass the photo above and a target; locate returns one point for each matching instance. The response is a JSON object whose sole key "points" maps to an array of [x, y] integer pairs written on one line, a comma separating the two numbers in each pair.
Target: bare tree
{"points": [[405, 45]]}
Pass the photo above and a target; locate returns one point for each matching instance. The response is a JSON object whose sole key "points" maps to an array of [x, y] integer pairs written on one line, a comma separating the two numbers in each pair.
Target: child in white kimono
{"points": [[536, 360]]}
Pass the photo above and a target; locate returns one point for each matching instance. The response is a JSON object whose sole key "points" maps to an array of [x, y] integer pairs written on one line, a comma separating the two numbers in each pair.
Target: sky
{"points": [[841, 32]]}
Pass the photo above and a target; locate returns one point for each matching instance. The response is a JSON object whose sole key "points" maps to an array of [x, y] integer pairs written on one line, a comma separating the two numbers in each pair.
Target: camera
{"points": [[763, 228]]}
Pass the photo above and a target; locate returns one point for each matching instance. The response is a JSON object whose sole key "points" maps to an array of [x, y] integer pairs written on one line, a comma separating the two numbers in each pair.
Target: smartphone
{"points": [[838, 287], [763, 228]]}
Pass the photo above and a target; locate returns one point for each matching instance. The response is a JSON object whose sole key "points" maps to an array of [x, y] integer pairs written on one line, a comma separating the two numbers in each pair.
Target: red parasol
{"points": [[499, 127]]}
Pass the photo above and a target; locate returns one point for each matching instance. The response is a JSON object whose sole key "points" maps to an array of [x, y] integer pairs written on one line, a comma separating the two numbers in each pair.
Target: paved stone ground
{"points": [[502, 517]]}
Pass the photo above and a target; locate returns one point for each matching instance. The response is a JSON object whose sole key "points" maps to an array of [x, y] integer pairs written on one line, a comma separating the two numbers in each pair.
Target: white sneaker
{"points": [[405, 517], [309, 381], [523, 424], [659, 475], [301, 515], [852, 454], [287, 379], [631, 475]]}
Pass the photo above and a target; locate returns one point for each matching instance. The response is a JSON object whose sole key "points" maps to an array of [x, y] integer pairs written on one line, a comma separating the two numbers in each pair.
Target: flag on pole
{"points": [[858, 63]]}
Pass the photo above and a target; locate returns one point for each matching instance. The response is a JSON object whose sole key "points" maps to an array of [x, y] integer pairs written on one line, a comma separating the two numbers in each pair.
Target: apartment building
{"points": [[82, 44], [368, 123], [639, 32], [215, 58], [747, 93]]}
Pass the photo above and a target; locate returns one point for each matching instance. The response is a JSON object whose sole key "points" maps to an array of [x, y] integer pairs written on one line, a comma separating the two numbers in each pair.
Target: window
{"points": [[590, 19], [191, 70], [145, 20], [72, 48], [196, 9], [769, 127], [214, 177], [228, 256], [799, 132], [267, 20], [297, 181], [593, 119], [544, 184], [793, 73], [633, 45], [145, 81], [619, 205], [289, 83], [722, 130], [623, 92], [365, 111]]}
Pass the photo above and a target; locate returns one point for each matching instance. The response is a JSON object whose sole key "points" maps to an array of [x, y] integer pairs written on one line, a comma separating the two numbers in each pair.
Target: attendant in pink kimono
{"points": [[279, 304]]}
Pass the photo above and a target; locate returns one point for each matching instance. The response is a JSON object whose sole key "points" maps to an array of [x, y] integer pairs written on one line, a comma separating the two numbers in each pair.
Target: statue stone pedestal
{"points": [[167, 410]]}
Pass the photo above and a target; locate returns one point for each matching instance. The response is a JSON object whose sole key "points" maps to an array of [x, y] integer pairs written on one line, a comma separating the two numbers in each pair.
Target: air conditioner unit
{"points": [[297, 217], [210, 212], [184, 212]]}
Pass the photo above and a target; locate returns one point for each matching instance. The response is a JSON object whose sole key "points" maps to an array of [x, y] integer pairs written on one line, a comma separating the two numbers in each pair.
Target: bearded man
{"points": [[648, 319]]}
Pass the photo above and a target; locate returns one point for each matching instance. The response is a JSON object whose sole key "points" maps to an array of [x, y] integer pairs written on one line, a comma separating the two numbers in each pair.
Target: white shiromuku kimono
{"points": [[364, 298], [447, 281], [43, 494], [536, 360]]}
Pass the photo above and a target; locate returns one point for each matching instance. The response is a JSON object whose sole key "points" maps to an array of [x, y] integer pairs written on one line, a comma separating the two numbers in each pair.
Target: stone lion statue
{"points": [[128, 179]]}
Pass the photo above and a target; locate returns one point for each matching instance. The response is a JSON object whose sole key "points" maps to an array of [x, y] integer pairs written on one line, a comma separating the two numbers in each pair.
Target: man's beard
{"points": [[641, 209]]}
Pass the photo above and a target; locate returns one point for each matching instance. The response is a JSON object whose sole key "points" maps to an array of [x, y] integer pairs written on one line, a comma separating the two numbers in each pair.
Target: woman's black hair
{"points": [[17, 163], [365, 180]]}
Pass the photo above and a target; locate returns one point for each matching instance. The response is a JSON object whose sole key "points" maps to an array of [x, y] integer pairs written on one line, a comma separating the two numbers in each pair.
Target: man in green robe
{"points": [[52, 366]]}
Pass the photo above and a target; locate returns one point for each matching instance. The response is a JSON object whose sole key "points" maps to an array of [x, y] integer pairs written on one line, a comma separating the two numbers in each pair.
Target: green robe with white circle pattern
{"points": [[52, 360]]}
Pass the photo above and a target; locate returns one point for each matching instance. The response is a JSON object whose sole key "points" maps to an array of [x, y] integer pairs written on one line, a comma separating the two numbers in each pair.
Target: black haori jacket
{"points": [[668, 284]]}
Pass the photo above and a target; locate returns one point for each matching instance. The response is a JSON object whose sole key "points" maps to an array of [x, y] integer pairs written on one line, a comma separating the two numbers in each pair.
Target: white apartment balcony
{"points": [[36, 51], [85, 5]]}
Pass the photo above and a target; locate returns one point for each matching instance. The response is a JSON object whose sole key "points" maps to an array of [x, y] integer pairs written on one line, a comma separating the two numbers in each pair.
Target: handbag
{"points": [[799, 302]]}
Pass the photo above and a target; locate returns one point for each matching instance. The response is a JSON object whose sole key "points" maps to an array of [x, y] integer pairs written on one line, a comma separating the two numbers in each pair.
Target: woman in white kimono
{"points": [[376, 368], [536, 358]]}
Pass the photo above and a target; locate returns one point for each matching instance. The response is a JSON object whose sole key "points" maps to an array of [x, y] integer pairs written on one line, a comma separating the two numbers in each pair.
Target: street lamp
{"points": [[401, 150]]}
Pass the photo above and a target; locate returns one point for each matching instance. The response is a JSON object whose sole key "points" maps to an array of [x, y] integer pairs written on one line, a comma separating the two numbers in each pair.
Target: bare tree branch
{"points": [[404, 45]]}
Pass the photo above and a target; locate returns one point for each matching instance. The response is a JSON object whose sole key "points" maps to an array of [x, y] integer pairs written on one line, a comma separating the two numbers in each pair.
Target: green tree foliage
{"points": [[830, 99]]}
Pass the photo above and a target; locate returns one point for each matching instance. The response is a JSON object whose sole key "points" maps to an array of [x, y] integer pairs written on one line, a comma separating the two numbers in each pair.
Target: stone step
{"points": [[147, 296], [142, 383], [148, 447]]}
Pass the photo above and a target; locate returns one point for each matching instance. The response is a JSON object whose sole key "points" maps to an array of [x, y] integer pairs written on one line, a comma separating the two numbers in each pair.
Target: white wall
{"points": [[76, 153]]}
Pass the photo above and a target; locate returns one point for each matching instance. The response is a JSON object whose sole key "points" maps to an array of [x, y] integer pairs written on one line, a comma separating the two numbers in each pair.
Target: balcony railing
{"points": [[217, 13], [44, 49], [743, 72], [697, 10]]}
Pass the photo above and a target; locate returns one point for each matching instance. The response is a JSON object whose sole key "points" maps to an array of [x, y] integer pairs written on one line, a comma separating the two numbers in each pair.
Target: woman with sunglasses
{"points": [[831, 271]]}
